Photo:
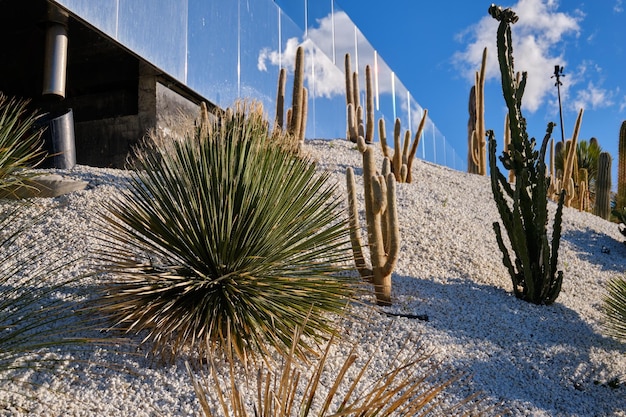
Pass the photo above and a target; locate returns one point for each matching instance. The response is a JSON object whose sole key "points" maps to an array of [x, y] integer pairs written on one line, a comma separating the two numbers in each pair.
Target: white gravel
{"points": [[533, 360]]}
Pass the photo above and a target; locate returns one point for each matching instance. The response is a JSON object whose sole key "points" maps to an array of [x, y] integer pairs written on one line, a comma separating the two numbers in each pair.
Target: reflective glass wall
{"points": [[229, 49]]}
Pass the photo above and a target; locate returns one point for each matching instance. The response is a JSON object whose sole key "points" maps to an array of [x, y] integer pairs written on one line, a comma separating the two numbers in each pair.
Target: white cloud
{"points": [[622, 105], [619, 6], [325, 78], [593, 97], [535, 36]]}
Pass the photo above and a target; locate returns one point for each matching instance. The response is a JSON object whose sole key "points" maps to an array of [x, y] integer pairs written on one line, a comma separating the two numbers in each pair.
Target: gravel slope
{"points": [[534, 360]]}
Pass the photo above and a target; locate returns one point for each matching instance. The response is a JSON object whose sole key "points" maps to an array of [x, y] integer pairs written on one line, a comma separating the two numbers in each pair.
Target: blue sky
{"points": [[435, 48]]}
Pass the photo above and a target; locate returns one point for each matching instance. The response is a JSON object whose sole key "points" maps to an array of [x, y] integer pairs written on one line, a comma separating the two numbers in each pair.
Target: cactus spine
{"points": [[382, 223], [603, 186], [478, 143], [534, 271], [621, 169]]}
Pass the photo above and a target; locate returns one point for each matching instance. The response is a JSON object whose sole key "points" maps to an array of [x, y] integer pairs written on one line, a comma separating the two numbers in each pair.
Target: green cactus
{"points": [[603, 187], [297, 102], [472, 168], [570, 169], [403, 154], [583, 189], [382, 223], [620, 201], [355, 125], [294, 119], [478, 144], [280, 99], [534, 274]]}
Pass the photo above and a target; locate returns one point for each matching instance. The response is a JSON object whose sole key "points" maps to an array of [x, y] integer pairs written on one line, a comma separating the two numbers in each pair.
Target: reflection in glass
{"points": [[230, 49]]}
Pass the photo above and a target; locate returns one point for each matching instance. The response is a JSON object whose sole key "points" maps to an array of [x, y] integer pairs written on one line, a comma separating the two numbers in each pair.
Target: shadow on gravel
{"points": [[597, 249], [541, 355]]}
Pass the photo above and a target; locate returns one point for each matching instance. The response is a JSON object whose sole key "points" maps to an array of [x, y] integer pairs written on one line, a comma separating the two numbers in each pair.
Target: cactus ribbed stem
{"points": [[603, 187], [621, 169], [280, 99], [382, 224]]}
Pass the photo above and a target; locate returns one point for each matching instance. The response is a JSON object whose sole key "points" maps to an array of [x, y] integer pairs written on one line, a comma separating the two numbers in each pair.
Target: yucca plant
{"points": [[615, 308], [226, 240], [21, 145], [349, 387]]}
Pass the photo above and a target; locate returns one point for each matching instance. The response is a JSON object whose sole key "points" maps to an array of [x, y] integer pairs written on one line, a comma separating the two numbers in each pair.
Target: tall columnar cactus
{"points": [[299, 96], [478, 144], [280, 99], [296, 115], [472, 168], [603, 186], [382, 223], [403, 155], [356, 126], [583, 189], [570, 168], [620, 201], [534, 272]]}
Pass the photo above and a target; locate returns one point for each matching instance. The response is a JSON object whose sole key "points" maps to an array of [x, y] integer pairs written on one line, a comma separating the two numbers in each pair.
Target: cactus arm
{"points": [[280, 98], [356, 239], [620, 201], [475, 149], [383, 137], [304, 114], [369, 108], [506, 259], [393, 228], [571, 156], [359, 120], [297, 96], [352, 128], [397, 154], [416, 140], [405, 147], [355, 89], [555, 289], [480, 115], [348, 76]]}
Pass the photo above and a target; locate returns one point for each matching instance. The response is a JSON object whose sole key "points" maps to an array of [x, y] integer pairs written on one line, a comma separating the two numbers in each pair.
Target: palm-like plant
{"points": [[226, 239], [615, 308]]}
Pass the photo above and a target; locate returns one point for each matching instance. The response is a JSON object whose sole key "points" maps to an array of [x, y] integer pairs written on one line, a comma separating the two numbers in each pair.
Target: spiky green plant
{"points": [[410, 387], [534, 273], [20, 143], [615, 308], [226, 240]]}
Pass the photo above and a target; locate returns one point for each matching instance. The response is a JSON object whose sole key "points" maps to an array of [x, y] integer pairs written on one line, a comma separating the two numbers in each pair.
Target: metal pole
{"points": [[558, 73]]}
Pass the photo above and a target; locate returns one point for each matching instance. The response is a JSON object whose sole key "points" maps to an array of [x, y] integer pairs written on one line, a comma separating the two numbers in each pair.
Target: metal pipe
{"points": [[55, 59]]}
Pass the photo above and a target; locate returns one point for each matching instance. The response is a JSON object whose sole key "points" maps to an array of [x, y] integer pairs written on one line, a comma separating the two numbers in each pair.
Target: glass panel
{"points": [[259, 23], [230, 49], [156, 30], [101, 14], [213, 43]]}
